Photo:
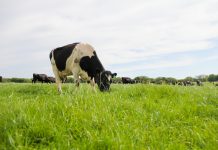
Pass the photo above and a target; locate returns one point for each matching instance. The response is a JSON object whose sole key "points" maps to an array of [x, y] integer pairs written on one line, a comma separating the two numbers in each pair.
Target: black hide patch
{"points": [[91, 65], [61, 54]]}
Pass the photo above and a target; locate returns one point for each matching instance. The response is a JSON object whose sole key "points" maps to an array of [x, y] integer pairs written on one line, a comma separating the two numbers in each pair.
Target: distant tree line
{"points": [[139, 79], [212, 78], [17, 80]]}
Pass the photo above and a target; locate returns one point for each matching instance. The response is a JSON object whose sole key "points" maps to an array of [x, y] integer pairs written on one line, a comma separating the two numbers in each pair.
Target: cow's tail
{"points": [[51, 56]]}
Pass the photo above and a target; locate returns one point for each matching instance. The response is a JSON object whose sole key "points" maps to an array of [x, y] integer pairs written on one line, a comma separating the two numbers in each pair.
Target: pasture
{"points": [[134, 116]]}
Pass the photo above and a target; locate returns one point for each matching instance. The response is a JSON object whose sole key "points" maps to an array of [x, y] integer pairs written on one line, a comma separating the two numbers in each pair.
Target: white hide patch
{"points": [[84, 50], [72, 64], [84, 75], [109, 77]]}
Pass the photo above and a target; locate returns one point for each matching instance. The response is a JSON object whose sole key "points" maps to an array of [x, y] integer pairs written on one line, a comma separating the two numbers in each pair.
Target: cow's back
{"points": [[69, 57], [61, 54]]}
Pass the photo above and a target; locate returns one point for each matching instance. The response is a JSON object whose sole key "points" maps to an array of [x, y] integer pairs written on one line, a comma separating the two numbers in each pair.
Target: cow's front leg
{"points": [[75, 73], [92, 82], [77, 80]]}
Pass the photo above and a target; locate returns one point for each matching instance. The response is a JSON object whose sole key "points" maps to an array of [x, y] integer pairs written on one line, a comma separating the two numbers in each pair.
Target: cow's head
{"points": [[105, 79]]}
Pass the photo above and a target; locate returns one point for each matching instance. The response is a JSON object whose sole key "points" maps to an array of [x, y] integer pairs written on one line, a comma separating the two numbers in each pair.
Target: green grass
{"points": [[128, 117]]}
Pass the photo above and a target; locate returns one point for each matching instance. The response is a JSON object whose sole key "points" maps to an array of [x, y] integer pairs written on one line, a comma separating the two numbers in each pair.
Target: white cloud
{"points": [[121, 31], [157, 65], [181, 62]]}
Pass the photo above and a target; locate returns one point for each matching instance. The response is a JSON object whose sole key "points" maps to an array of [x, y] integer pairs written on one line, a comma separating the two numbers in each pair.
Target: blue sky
{"points": [[144, 37]]}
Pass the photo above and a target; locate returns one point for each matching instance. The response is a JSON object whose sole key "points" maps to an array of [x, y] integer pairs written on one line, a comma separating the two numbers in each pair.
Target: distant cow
{"points": [[187, 83], [180, 83], [81, 61], [51, 80], [40, 77], [199, 83], [0, 78], [127, 80]]}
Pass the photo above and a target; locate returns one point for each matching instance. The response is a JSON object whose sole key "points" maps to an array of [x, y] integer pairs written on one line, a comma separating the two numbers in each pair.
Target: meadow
{"points": [[138, 116]]}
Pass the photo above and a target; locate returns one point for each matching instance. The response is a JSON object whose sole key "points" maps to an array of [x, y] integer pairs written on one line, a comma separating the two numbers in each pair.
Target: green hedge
{"points": [[17, 80]]}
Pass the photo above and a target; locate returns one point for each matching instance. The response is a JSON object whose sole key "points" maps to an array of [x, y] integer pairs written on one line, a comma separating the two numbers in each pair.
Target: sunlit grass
{"points": [[128, 117]]}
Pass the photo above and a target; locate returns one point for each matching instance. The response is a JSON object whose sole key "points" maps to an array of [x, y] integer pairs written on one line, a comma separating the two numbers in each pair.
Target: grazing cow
{"points": [[0, 78], [81, 61], [188, 83], [51, 80], [127, 80], [180, 83], [199, 83], [39, 77], [174, 82]]}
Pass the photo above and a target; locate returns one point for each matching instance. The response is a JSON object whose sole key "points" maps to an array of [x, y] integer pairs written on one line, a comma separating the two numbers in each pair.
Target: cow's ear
{"points": [[114, 75]]}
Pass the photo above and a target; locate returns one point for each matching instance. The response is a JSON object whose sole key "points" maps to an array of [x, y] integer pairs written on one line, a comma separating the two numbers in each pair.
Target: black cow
{"points": [[81, 61], [127, 80], [51, 80], [40, 77], [0, 78]]}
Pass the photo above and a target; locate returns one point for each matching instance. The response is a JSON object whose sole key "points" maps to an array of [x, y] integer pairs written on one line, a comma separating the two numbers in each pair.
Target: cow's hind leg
{"points": [[57, 79]]}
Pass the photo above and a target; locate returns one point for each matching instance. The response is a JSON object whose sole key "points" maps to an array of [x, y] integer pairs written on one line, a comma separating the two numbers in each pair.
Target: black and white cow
{"points": [[81, 61], [199, 83]]}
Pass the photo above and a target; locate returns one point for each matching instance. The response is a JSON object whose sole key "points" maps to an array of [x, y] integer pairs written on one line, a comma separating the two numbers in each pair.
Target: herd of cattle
{"points": [[128, 80], [43, 78]]}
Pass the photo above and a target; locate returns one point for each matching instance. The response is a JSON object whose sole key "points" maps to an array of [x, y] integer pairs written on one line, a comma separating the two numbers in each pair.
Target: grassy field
{"points": [[128, 117]]}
